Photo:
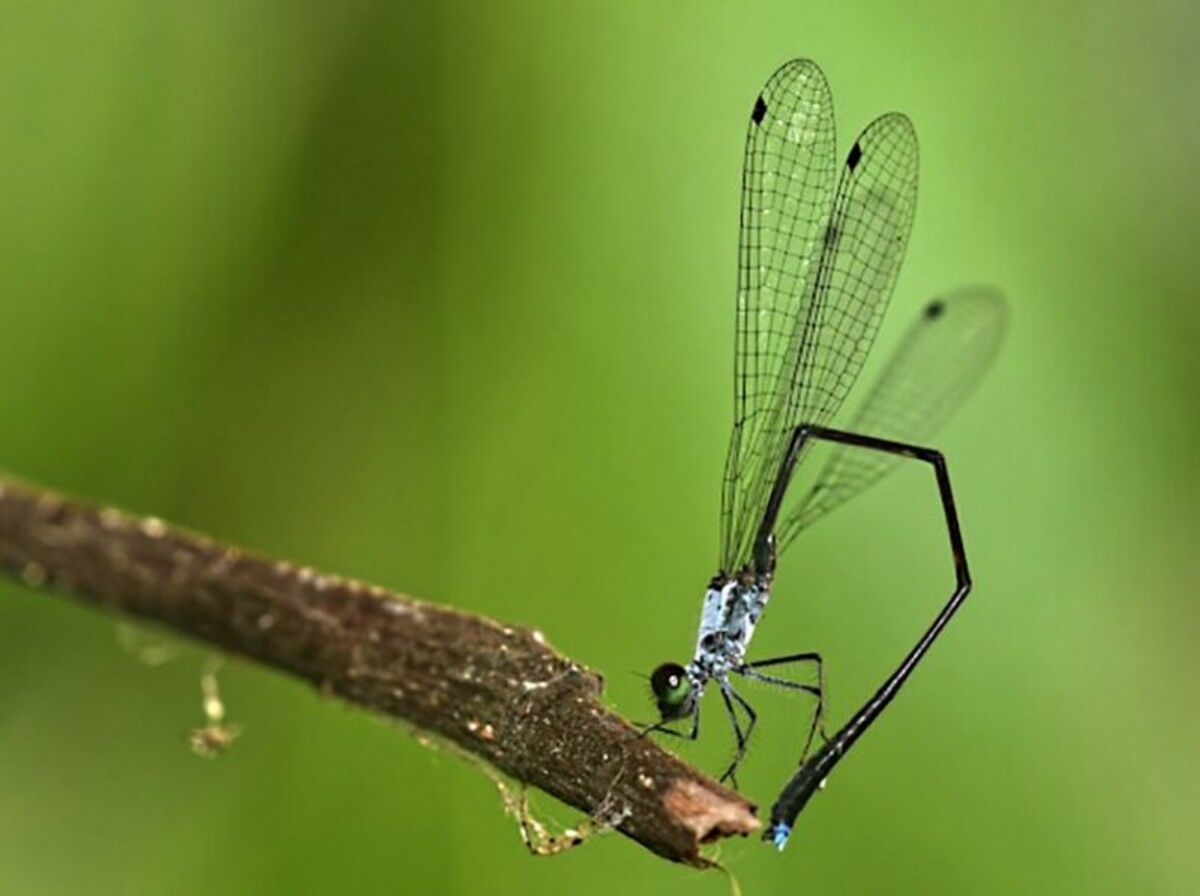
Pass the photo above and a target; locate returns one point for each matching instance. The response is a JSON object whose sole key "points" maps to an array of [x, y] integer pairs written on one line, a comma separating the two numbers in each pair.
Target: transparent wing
{"points": [[788, 181], [845, 275], [939, 362]]}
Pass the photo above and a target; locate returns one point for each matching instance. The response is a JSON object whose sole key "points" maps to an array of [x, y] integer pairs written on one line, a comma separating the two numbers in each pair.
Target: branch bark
{"points": [[497, 691]]}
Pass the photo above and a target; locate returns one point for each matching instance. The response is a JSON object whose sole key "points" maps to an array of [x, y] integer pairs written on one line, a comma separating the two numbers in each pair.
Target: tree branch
{"points": [[499, 692]]}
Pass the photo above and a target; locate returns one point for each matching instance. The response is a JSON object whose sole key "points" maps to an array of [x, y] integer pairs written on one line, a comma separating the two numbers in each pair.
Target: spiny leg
{"points": [[749, 710], [729, 695], [750, 670], [662, 726], [730, 773]]}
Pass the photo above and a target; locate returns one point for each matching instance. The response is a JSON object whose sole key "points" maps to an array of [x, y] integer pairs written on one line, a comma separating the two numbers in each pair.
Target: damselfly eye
{"points": [[672, 690]]}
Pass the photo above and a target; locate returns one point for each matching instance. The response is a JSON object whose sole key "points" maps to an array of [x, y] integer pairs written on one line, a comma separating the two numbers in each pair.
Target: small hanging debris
{"points": [[214, 737]]}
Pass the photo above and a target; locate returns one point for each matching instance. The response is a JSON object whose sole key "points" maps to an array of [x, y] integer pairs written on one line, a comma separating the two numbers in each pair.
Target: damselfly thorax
{"points": [[731, 610]]}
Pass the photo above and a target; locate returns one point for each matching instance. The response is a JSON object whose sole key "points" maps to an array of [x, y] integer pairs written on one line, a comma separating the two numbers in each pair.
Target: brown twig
{"points": [[499, 692]]}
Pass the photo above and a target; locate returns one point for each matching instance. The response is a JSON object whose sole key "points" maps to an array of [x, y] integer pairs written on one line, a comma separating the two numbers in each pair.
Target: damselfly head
{"points": [[673, 691]]}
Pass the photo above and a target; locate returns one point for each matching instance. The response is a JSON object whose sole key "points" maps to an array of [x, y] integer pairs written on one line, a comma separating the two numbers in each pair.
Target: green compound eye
{"points": [[672, 690]]}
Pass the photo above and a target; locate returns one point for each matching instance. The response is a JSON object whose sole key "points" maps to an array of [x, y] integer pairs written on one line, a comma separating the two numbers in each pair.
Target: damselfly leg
{"points": [[662, 726], [751, 670], [729, 695]]}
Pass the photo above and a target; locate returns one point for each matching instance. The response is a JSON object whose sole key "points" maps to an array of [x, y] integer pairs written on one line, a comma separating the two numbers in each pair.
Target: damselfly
{"points": [[820, 249]]}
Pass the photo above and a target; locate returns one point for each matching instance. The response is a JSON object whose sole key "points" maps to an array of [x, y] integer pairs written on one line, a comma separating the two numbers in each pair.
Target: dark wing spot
{"points": [[831, 235], [853, 158], [934, 309], [760, 111]]}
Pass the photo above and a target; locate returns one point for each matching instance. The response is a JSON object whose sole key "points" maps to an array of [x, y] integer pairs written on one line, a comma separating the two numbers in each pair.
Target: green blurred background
{"points": [[442, 299]]}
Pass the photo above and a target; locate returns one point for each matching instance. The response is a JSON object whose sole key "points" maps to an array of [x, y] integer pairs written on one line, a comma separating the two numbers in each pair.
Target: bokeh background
{"points": [[441, 298]]}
